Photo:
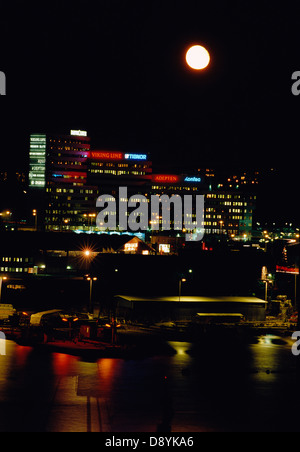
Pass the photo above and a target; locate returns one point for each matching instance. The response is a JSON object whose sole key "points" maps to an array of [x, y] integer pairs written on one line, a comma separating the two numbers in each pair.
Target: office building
{"points": [[58, 181], [68, 176]]}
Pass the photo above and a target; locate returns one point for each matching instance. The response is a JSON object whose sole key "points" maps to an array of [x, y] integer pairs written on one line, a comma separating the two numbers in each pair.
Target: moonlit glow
{"points": [[197, 57]]}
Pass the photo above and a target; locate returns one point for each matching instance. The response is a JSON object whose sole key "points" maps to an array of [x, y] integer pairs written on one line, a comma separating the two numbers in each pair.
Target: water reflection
{"points": [[208, 387]]}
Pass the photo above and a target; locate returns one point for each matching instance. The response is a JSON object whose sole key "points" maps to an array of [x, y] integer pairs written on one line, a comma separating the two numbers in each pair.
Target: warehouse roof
{"points": [[191, 299]]}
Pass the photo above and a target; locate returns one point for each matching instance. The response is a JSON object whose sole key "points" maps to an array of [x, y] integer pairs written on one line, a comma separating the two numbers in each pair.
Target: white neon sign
{"points": [[79, 133]]}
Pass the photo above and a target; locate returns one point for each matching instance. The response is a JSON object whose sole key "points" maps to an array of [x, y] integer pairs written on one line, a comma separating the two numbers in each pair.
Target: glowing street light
{"points": [[180, 283], [34, 214], [91, 280], [2, 278]]}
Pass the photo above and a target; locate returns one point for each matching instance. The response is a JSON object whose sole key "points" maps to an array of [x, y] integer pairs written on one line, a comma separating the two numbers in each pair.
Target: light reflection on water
{"points": [[213, 387]]}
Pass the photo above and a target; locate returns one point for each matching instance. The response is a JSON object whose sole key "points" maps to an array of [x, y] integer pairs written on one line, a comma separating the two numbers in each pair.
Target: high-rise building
{"points": [[58, 173], [225, 212], [110, 170], [68, 176], [229, 213]]}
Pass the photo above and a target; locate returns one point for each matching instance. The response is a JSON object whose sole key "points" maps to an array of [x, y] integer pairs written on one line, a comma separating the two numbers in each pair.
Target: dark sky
{"points": [[116, 68]]}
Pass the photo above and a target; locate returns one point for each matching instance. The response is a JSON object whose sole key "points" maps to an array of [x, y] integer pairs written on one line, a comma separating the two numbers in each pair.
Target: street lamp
{"points": [[2, 278], [91, 305], [87, 257], [180, 283], [221, 225], [34, 214]]}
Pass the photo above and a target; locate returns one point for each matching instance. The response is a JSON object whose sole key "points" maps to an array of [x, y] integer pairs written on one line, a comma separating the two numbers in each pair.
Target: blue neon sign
{"points": [[193, 179], [136, 156]]}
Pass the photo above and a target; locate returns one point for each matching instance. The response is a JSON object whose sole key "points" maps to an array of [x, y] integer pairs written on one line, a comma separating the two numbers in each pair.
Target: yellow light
{"points": [[197, 57], [87, 253]]}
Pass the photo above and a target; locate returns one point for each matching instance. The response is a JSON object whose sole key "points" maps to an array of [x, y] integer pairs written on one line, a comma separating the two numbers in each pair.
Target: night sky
{"points": [[116, 68]]}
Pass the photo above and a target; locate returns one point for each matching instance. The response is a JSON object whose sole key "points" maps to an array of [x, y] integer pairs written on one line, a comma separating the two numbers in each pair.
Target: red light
{"points": [[165, 178], [107, 325], [107, 155], [64, 320], [291, 270]]}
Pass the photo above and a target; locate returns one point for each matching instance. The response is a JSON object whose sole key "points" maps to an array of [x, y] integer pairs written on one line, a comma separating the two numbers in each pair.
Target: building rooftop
{"points": [[191, 299]]}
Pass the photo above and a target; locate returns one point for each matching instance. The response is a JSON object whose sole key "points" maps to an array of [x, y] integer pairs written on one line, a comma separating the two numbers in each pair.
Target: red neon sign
{"points": [[290, 270], [107, 155], [165, 178]]}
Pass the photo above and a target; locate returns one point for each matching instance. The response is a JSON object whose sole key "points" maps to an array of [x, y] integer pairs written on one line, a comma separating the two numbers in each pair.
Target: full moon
{"points": [[197, 57]]}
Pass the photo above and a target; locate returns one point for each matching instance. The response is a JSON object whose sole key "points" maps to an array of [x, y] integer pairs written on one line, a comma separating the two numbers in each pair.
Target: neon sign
{"points": [[107, 155], [290, 270], [193, 179], [165, 178], [79, 133], [136, 156]]}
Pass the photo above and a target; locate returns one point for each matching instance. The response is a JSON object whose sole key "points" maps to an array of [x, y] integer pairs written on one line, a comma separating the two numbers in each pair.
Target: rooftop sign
{"points": [[107, 155], [167, 178], [193, 179], [136, 156], [79, 133]]}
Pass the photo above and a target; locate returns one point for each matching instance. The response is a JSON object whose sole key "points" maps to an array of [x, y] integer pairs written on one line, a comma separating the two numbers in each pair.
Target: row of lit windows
{"points": [[119, 165], [71, 190], [219, 231], [70, 163], [174, 189], [14, 269], [223, 196], [58, 212], [15, 259], [118, 173], [213, 195]]}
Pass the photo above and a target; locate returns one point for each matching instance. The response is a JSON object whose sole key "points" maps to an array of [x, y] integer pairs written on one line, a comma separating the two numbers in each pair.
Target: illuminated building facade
{"points": [[226, 212], [69, 176], [71, 200], [110, 170], [37, 161], [58, 170], [229, 213]]}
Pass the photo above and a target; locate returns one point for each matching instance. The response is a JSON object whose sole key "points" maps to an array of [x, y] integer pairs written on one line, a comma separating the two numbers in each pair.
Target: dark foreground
{"points": [[216, 385]]}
